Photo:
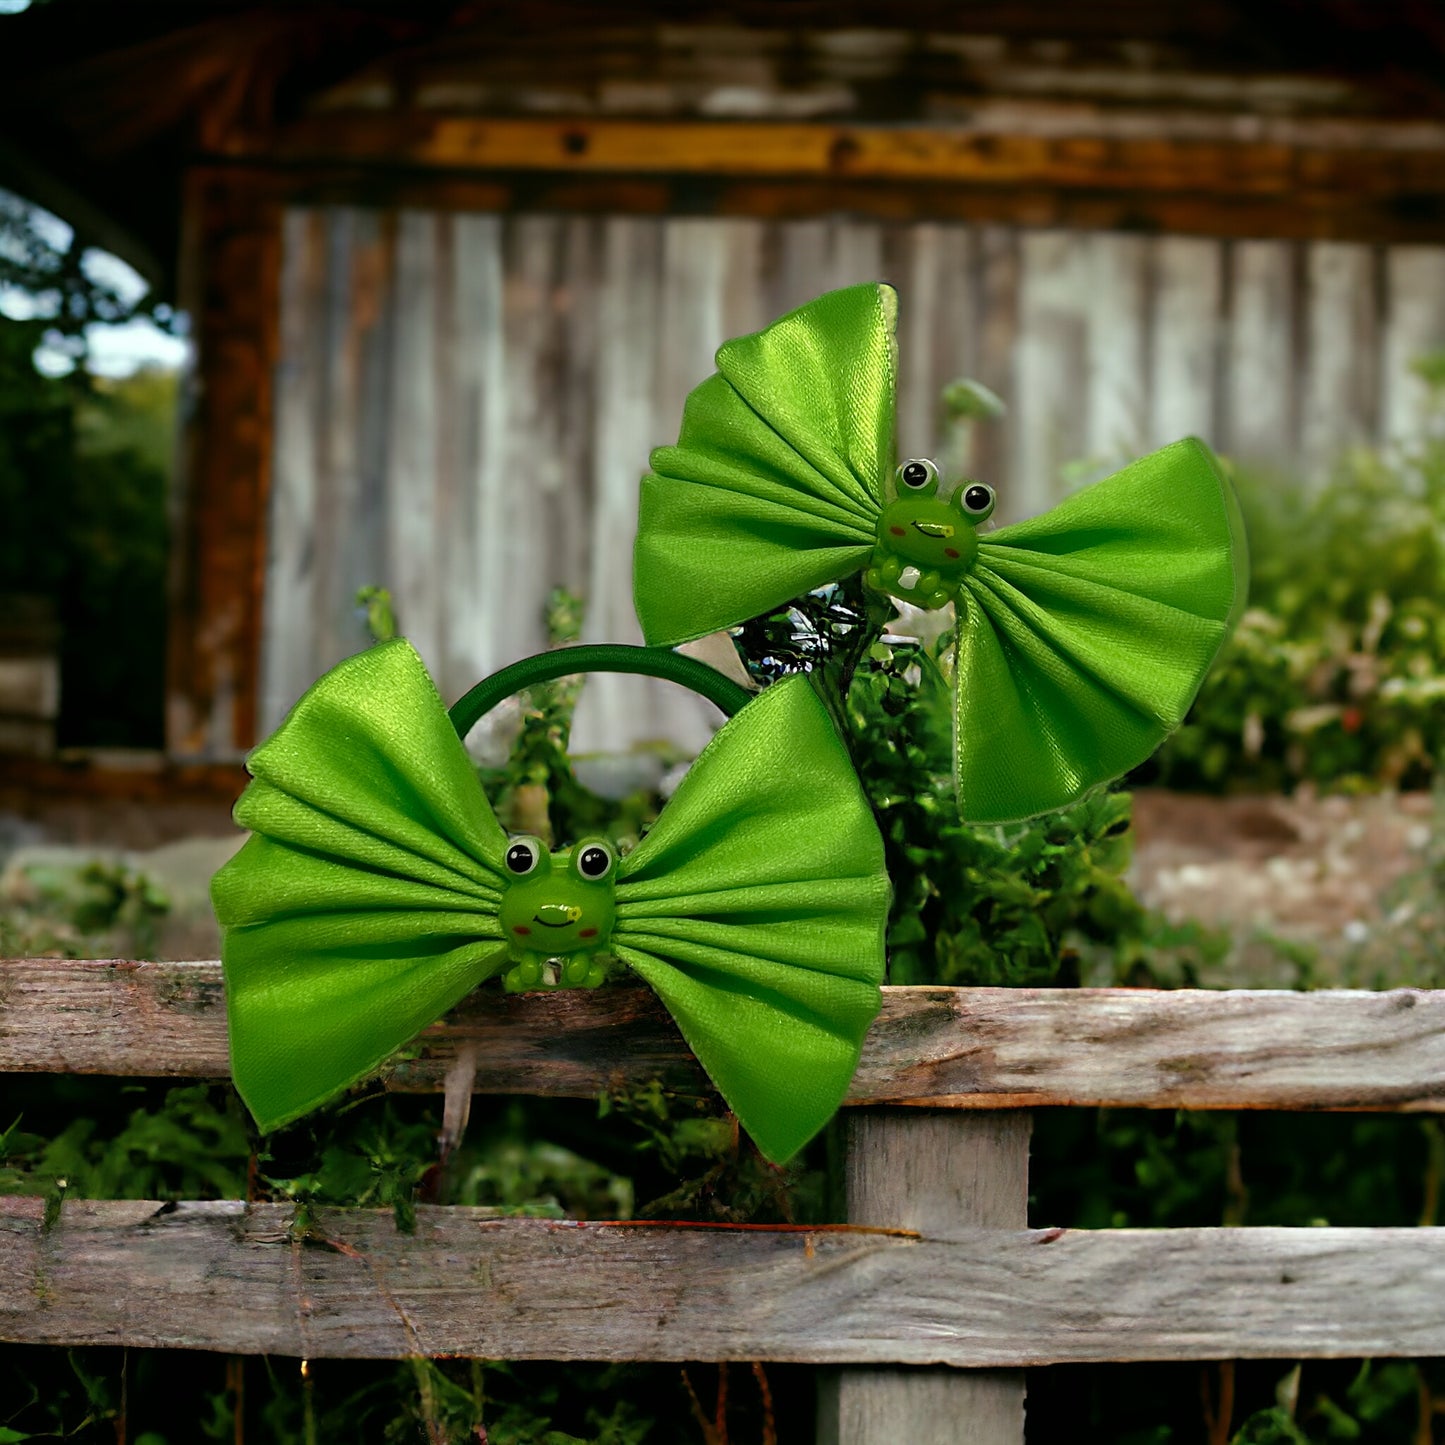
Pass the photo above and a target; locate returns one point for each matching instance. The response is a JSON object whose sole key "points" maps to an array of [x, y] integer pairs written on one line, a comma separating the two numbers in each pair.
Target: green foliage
{"points": [[1044, 902], [42, 258], [1336, 675], [37, 439], [84, 467], [380, 616], [1402, 949], [1380, 1402], [1035, 903], [537, 791], [91, 909], [83, 491], [193, 1146]]}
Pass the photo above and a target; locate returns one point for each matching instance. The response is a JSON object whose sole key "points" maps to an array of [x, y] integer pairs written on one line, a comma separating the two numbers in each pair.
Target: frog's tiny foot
{"points": [[927, 582], [939, 597], [525, 975], [576, 971], [892, 570], [596, 976]]}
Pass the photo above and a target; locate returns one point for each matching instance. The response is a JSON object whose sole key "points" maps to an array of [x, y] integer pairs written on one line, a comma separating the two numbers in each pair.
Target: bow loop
{"points": [[378, 889], [756, 908]]}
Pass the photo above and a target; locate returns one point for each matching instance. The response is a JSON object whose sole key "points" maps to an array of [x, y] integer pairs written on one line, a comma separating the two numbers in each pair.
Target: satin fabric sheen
{"points": [[775, 483], [365, 905], [1084, 634]]}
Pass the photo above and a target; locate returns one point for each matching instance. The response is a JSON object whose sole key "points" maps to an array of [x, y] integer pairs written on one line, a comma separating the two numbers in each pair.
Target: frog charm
{"points": [[557, 913], [925, 544]]}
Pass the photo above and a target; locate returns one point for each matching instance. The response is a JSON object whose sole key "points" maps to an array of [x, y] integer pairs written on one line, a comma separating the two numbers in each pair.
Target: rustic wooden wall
{"points": [[465, 402]]}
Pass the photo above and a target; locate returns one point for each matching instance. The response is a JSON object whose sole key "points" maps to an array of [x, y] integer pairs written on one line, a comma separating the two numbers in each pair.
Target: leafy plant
{"points": [[1044, 902], [1336, 675], [91, 908]]}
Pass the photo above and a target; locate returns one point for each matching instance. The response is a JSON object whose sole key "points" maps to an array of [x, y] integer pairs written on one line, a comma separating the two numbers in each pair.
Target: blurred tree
{"points": [[47, 273], [84, 466]]}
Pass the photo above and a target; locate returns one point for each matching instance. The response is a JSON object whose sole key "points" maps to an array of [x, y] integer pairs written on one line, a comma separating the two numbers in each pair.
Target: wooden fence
{"points": [[936, 1266], [465, 402]]}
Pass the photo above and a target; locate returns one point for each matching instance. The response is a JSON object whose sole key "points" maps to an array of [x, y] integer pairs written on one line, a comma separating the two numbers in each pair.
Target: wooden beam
{"points": [[144, 778], [936, 1173], [968, 1048], [1071, 152], [230, 276], [245, 1279], [1417, 218]]}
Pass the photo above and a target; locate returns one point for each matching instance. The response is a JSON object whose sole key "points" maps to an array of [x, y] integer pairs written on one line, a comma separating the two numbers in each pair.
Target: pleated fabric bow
{"points": [[378, 889], [1083, 634]]}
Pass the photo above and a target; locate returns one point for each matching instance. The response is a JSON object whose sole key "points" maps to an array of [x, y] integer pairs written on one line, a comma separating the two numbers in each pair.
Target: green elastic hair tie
{"points": [[378, 889], [1083, 635]]}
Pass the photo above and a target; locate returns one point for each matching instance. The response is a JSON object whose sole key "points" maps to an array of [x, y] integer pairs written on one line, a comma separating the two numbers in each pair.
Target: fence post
{"points": [[933, 1170]]}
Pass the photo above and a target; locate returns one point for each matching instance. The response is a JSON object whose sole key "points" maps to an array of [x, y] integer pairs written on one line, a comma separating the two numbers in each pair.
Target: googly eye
{"points": [[593, 859], [917, 474], [976, 500], [523, 855]]}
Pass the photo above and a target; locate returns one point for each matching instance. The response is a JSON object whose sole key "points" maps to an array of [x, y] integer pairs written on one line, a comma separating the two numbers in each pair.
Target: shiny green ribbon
{"points": [[368, 901], [1083, 634]]}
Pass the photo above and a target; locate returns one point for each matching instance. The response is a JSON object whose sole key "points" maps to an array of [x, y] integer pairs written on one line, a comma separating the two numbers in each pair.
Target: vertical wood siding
{"points": [[466, 402]]}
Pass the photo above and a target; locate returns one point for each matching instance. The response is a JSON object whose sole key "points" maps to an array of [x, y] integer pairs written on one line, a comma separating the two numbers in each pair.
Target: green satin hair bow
{"points": [[1083, 634], [379, 889]]}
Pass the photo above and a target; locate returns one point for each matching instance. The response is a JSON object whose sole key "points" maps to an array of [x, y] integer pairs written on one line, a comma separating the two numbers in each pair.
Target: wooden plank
{"points": [[660, 308], [934, 1173], [1047, 419], [230, 288], [481, 298], [1117, 376], [970, 1048], [932, 267], [414, 551], [1414, 327], [1303, 214], [1258, 353], [294, 539], [231, 1276], [1340, 398], [1185, 341], [916, 269], [1363, 159], [996, 311], [344, 563]]}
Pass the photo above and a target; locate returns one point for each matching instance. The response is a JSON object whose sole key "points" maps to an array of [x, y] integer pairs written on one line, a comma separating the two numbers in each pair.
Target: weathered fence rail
{"points": [[935, 1268], [973, 1048], [229, 1276]]}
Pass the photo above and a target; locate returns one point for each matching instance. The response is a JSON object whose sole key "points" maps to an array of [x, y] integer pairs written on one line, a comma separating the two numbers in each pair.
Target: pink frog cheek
{"points": [[522, 929], [586, 933]]}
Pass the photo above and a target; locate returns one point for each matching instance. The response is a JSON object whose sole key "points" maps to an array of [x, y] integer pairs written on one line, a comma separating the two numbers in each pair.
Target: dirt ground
{"points": [[1333, 874], [1347, 877]]}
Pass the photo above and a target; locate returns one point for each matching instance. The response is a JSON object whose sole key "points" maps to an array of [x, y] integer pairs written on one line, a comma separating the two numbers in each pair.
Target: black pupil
{"points": [[519, 858], [915, 474], [976, 498], [594, 862]]}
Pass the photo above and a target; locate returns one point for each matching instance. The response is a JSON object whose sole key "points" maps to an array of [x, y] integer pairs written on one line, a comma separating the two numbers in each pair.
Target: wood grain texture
{"points": [[230, 1276], [1340, 383], [230, 286], [1365, 159], [934, 1172], [976, 1048], [1259, 381], [468, 401]]}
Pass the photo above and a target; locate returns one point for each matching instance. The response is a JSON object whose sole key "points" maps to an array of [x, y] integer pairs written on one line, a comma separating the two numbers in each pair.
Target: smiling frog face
{"points": [[558, 906], [925, 544]]}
